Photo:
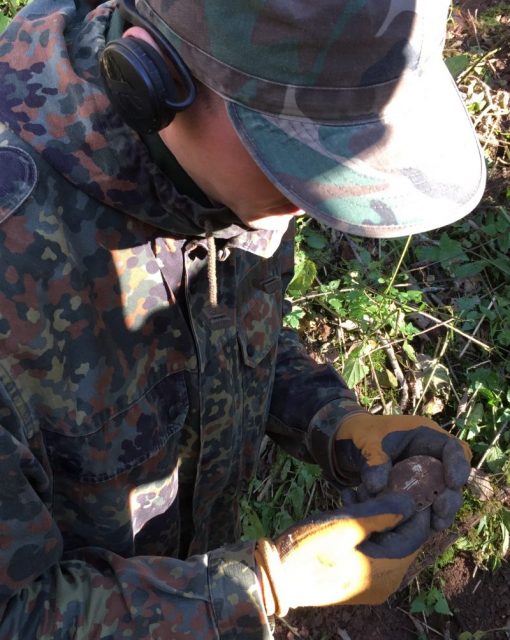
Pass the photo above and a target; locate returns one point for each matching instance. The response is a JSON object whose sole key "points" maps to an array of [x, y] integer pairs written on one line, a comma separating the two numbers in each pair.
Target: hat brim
{"points": [[417, 167]]}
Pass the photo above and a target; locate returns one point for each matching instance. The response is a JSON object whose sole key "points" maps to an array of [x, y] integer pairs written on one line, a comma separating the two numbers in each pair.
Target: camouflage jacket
{"points": [[131, 411]]}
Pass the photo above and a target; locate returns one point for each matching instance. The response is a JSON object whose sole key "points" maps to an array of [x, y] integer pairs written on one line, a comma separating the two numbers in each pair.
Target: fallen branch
{"points": [[421, 627], [492, 444], [481, 344], [431, 375], [475, 331], [404, 397]]}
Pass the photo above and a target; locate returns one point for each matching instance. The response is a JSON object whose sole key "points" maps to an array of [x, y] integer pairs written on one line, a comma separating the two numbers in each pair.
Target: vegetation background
{"points": [[418, 325], [421, 325]]}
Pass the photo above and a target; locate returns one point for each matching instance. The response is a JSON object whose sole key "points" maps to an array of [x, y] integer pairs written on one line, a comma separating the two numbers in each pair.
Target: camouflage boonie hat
{"points": [[346, 105]]}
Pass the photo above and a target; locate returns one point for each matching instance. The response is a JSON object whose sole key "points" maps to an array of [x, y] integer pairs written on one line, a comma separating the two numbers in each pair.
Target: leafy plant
{"points": [[280, 499], [480, 635], [489, 540], [431, 601]]}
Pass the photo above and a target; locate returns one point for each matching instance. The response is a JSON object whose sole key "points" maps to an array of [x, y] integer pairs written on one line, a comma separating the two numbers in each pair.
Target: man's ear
{"points": [[141, 34]]}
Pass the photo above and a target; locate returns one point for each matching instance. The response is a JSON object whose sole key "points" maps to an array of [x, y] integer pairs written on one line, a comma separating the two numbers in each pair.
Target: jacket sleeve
{"points": [[46, 594], [308, 399]]}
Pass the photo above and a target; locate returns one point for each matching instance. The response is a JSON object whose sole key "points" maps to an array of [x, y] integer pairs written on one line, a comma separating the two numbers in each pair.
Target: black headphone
{"points": [[137, 79]]}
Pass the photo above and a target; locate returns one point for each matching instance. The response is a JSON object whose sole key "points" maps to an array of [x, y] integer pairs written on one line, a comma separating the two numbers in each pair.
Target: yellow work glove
{"points": [[357, 555], [366, 446]]}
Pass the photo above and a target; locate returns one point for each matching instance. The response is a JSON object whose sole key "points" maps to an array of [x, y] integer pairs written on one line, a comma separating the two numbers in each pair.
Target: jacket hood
{"points": [[52, 97]]}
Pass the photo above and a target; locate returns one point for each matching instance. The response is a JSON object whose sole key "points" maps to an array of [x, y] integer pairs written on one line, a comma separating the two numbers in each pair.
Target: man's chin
{"points": [[276, 222]]}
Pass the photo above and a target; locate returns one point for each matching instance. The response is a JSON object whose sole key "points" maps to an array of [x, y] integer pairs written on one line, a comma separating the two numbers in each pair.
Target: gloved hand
{"points": [[357, 555], [366, 445]]}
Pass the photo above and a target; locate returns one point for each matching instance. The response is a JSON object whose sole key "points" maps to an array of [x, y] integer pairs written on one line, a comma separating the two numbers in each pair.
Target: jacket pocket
{"points": [[260, 317], [127, 439]]}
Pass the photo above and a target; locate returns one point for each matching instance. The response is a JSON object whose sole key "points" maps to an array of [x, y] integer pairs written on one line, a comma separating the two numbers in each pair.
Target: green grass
{"points": [[8, 9]]}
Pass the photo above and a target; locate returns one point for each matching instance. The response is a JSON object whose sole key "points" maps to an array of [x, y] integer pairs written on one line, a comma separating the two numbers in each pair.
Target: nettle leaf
{"points": [[412, 295], [433, 406], [468, 270], [496, 459], [4, 21], [458, 64], [448, 250], [328, 287], [502, 264], [292, 319], [305, 273], [473, 422], [419, 604], [297, 499], [467, 635], [336, 304], [392, 379], [441, 380], [285, 469], [283, 520], [441, 605], [484, 381], [355, 370], [409, 351], [505, 544], [436, 374], [466, 304], [252, 525], [310, 473], [503, 242], [314, 239], [504, 337]]}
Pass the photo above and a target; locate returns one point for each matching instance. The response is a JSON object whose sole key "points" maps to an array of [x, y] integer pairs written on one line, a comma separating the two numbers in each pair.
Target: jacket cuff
{"points": [[322, 432], [236, 596]]}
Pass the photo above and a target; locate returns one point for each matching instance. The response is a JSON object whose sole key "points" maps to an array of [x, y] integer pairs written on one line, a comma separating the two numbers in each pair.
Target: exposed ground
{"points": [[479, 600]]}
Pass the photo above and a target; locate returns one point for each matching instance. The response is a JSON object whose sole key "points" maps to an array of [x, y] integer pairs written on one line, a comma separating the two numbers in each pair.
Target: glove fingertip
{"points": [[454, 446], [402, 503], [348, 497], [375, 478], [389, 504], [440, 523], [445, 509], [402, 541], [456, 477]]}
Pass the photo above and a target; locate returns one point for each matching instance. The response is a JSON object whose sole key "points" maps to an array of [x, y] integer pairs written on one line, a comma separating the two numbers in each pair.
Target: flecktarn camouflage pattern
{"points": [[131, 411], [345, 104]]}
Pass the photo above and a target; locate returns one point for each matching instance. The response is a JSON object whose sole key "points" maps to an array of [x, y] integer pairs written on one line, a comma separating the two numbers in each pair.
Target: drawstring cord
{"points": [[211, 265]]}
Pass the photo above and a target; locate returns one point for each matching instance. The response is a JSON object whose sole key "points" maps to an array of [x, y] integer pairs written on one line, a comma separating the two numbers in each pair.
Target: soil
{"points": [[479, 599]]}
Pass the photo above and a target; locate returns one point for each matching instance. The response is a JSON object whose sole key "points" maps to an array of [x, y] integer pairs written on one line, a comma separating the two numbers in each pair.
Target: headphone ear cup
{"points": [[138, 84]]}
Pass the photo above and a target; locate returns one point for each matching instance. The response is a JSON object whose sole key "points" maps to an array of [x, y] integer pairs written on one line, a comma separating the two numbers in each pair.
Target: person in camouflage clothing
{"points": [[142, 291]]}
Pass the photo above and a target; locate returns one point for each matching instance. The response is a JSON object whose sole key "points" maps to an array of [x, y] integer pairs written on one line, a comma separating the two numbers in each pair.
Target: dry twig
{"points": [[404, 389]]}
